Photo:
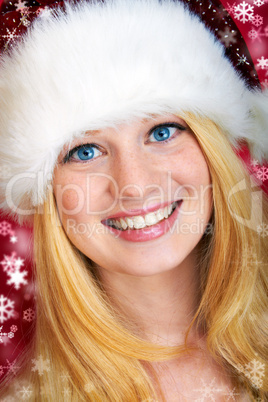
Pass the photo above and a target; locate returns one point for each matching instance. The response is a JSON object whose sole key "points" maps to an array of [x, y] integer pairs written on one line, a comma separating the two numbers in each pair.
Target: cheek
{"points": [[192, 180]]}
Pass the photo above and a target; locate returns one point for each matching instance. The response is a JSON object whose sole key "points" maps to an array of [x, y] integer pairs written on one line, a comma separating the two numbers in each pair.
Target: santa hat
{"points": [[91, 65]]}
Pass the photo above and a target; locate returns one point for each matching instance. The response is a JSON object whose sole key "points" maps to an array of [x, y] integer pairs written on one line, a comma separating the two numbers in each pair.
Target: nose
{"points": [[137, 176]]}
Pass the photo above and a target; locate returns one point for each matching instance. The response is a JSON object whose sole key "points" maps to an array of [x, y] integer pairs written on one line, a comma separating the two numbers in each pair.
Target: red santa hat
{"points": [[89, 65]]}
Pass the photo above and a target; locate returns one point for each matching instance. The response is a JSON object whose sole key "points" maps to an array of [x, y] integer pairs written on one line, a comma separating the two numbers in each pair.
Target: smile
{"points": [[142, 221]]}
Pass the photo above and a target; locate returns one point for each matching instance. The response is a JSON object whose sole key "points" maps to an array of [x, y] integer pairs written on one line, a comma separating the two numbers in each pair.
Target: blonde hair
{"points": [[92, 350]]}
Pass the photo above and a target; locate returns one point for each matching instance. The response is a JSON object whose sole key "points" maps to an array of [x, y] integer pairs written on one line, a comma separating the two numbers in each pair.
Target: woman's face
{"points": [[135, 199]]}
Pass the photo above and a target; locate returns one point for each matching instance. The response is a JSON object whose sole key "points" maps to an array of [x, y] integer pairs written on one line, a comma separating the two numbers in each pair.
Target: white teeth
{"points": [[165, 212], [139, 222], [123, 224], [151, 219], [130, 223], [160, 214]]}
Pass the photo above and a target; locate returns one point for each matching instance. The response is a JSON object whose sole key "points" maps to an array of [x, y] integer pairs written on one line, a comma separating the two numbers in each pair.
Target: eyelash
{"points": [[70, 153]]}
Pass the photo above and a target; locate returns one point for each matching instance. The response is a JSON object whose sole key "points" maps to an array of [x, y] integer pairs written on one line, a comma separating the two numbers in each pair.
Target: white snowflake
{"points": [[10, 334], [242, 59], [20, 5], [208, 391], [262, 229], [6, 308], [5, 172], [253, 34], [65, 377], [40, 365], [13, 239], [29, 315], [11, 367], [262, 173], [25, 392], [258, 3], [19, 262], [231, 395], [231, 8], [257, 20], [17, 277], [66, 391], [255, 371], [11, 36], [250, 260], [262, 63], [9, 262], [244, 12], [254, 163], [227, 36], [5, 228]]}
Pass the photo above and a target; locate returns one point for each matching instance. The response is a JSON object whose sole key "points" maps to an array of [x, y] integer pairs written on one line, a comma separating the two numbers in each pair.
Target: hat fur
{"points": [[100, 64]]}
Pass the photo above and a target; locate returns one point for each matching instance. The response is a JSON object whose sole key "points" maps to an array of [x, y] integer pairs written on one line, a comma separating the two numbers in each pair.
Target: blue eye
{"points": [[85, 152], [164, 132]]}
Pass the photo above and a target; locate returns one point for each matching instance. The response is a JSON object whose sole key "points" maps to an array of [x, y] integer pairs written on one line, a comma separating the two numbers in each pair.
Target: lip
{"points": [[143, 211], [149, 232]]}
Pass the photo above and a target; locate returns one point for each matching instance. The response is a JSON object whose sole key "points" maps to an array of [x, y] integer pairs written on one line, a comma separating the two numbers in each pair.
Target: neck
{"points": [[161, 306]]}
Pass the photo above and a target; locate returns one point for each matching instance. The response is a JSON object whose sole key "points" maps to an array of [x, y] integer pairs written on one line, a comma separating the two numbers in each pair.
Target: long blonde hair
{"points": [[90, 351]]}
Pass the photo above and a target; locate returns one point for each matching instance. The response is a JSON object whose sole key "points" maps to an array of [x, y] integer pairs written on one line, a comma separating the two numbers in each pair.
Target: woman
{"points": [[150, 269]]}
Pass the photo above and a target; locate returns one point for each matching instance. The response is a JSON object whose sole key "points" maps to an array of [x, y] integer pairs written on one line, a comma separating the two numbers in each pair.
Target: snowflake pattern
{"points": [[13, 239], [258, 3], [5, 228], [10, 368], [244, 12], [262, 173], [253, 34], [11, 36], [208, 391], [66, 391], [242, 59], [20, 5], [262, 229], [17, 277], [231, 394], [231, 8], [257, 20], [9, 262], [65, 377], [250, 260], [227, 37], [29, 314], [6, 309], [25, 392], [254, 371], [262, 63], [10, 334], [40, 365]]}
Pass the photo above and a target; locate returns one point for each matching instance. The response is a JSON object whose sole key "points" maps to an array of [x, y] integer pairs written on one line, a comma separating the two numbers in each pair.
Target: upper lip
{"points": [[143, 211]]}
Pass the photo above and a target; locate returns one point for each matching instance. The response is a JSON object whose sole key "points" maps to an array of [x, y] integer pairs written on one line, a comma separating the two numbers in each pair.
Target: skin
{"points": [[154, 282]]}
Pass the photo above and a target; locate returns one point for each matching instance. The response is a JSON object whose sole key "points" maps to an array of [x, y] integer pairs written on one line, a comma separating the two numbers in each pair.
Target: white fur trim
{"points": [[99, 65]]}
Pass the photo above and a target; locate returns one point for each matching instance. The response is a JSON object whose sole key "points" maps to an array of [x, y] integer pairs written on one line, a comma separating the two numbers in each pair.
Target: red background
{"points": [[24, 296]]}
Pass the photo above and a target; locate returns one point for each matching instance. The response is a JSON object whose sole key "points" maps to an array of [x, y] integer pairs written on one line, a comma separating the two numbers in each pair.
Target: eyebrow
{"points": [[145, 120]]}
